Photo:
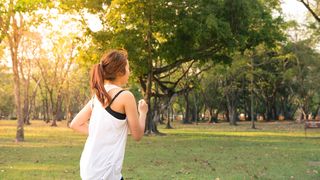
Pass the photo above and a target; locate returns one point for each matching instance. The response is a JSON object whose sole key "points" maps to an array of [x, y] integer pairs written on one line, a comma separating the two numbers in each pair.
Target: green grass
{"points": [[276, 150]]}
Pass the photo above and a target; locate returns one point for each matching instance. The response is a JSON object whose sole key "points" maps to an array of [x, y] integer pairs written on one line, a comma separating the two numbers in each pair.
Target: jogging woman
{"points": [[107, 117]]}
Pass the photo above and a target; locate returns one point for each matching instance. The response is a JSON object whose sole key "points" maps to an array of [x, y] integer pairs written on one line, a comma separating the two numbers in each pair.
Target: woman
{"points": [[111, 111]]}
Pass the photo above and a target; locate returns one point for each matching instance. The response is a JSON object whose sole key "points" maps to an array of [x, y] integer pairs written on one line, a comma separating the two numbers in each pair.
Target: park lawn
{"points": [[276, 150]]}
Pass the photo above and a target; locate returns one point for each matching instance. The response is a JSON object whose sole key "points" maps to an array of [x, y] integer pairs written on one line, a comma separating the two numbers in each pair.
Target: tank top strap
{"points": [[115, 97]]}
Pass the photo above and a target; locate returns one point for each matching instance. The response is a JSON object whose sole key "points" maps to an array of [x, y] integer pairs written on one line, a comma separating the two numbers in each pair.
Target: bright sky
{"points": [[294, 10], [94, 22]]}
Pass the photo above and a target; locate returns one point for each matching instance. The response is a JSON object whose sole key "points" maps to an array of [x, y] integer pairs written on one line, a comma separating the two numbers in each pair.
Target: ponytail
{"points": [[97, 84], [112, 64]]}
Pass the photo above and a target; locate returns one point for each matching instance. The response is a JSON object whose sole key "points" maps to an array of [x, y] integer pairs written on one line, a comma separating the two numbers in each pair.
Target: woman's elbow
{"points": [[137, 137]]}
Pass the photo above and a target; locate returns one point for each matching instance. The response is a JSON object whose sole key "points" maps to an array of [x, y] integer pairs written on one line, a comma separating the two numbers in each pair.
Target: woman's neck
{"points": [[117, 83]]}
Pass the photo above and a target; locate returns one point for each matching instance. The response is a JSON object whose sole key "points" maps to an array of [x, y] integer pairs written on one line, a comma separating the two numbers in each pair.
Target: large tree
{"points": [[12, 27], [163, 35]]}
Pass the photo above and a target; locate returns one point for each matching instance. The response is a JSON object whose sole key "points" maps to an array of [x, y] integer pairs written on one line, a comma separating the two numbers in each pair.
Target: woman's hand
{"points": [[136, 115], [142, 107]]}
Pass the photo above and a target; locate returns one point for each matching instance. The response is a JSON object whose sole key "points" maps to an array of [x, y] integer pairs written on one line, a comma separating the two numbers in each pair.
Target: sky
{"points": [[93, 22], [294, 10]]}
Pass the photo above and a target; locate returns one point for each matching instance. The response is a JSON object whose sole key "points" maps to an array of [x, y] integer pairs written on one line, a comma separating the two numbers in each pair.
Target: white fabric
{"points": [[104, 149]]}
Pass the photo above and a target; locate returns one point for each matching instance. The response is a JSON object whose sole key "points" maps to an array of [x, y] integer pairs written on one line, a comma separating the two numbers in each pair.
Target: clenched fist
{"points": [[142, 106]]}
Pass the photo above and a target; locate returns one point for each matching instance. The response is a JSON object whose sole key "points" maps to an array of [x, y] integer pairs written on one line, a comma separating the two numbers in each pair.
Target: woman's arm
{"points": [[80, 122], [136, 121]]}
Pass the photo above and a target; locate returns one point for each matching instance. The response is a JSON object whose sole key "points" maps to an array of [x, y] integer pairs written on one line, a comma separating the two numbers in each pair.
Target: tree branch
{"points": [[181, 91], [306, 4], [165, 88], [170, 66]]}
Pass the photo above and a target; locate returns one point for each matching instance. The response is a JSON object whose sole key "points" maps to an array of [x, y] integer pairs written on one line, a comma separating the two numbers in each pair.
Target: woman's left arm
{"points": [[80, 122]]}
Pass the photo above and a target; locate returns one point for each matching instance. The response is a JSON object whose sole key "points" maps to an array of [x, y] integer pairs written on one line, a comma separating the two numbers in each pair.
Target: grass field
{"points": [[277, 150]]}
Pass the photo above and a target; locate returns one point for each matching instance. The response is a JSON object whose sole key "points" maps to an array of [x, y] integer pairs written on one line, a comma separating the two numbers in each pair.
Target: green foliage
{"points": [[135, 89], [30, 5], [273, 73], [212, 86], [180, 31], [6, 93], [93, 6], [304, 73]]}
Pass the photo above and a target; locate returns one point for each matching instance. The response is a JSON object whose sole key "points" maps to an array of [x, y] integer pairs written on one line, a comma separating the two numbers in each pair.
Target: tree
{"points": [[172, 33], [12, 25], [54, 78], [306, 69], [30, 47], [14, 39], [212, 91]]}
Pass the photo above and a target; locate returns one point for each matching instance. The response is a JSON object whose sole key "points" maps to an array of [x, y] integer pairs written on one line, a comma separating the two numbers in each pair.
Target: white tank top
{"points": [[104, 149]]}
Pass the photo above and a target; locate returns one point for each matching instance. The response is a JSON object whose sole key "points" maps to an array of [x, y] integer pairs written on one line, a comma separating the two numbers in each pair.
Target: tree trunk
{"points": [[169, 111], [32, 101], [17, 97], [233, 115], [195, 112], [156, 111], [216, 116], [26, 87], [51, 109], [213, 116], [58, 112], [232, 109], [68, 109], [27, 100], [268, 110], [26, 115], [274, 110], [14, 40], [227, 112], [253, 125], [186, 119], [47, 109], [316, 112], [151, 126]]}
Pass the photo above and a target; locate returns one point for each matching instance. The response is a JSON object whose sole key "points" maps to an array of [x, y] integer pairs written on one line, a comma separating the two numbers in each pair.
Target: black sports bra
{"points": [[115, 114]]}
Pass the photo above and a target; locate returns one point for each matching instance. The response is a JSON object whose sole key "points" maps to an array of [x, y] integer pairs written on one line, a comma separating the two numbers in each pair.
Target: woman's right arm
{"points": [[136, 121], [80, 122]]}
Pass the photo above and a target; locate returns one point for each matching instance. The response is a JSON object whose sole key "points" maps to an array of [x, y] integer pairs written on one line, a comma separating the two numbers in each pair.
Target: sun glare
{"points": [[93, 22]]}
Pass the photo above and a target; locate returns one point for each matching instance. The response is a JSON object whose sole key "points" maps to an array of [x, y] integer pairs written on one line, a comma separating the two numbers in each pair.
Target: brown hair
{"points": [[112, 64]]}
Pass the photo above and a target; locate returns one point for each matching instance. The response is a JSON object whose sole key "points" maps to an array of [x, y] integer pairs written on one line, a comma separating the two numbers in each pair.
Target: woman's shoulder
{"points": [[125, 96], [126, 93]]}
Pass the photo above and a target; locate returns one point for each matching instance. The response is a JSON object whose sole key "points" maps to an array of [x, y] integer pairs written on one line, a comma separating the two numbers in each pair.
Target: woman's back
{"points": [[103, 153]]}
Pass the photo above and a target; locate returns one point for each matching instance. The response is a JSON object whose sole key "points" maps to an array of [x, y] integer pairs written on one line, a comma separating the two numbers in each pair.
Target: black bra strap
{"points": [[115, 97]]}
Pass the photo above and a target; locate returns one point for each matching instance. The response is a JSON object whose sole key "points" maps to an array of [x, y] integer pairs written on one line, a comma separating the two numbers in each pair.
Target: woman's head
{"points": [[113, 67]]}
